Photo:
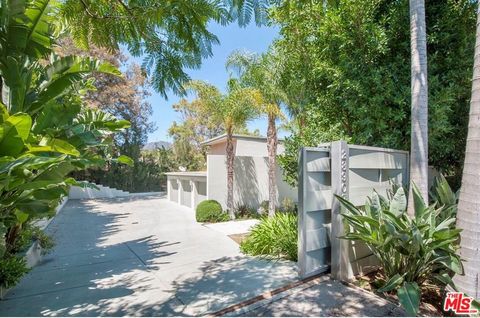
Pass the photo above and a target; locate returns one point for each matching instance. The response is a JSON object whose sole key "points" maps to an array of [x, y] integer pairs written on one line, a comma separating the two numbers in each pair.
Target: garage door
{"points": [[174, 190], [202, 191], [186, 194]]}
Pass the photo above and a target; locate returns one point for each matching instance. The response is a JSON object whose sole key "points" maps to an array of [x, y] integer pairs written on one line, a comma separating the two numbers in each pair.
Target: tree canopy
{"points": [[345, 73], [205, 117], [171, 35]]}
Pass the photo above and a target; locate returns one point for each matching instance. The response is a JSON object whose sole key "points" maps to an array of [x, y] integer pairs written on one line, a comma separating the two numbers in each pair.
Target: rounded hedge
{"points": [[210, 211]]}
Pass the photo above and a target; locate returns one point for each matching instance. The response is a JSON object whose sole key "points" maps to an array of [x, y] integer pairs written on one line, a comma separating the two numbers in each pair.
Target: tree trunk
{"points": [[11, 237], [230, 162], [272, 143], [468, 215], [419, 87]]}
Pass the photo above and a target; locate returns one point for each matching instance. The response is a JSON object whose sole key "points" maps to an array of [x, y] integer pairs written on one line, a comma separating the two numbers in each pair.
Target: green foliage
{"points": [[260, 72], [12, 268], [231, 110], [196, 126], [146, 175], [29, 234], [311, 136], [243, 211], [172, 35], [124, 97], [45, 130], [263, 208], [188, 134], [273, 237], [343, 67], [287, 205], [411, 250], [444, 197], [210, 211]]}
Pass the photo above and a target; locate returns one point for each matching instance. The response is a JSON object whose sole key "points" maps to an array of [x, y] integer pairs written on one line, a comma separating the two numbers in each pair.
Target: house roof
{"points": [[222, 138]]}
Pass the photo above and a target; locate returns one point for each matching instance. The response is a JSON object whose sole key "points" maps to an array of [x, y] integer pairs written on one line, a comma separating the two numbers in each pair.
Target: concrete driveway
{"points": [[139, 256]]}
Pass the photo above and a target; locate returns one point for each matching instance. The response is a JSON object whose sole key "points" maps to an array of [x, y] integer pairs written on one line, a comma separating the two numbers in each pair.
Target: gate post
{"points": [[302, 250], [340, 261]]}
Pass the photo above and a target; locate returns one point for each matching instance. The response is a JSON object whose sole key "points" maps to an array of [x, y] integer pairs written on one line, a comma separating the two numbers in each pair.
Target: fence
{"points": [[350, 171]]}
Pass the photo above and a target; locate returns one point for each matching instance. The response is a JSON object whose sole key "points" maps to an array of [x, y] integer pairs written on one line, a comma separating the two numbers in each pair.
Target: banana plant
{"points": [[46, 131], [410, 250], [35, 164]]}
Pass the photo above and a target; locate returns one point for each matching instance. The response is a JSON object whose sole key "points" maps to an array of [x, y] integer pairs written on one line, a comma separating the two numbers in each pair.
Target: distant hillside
{"points": [[157, 145]]}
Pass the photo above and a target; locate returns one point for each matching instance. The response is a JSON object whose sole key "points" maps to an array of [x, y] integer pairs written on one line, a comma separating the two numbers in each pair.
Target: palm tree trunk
{"points": [[272, 142], [230, 162], [419, 86], [468, 215]]}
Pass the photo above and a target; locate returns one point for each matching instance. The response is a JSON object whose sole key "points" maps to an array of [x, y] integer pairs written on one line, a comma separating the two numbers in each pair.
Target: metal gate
{"points": [[352, 172]]}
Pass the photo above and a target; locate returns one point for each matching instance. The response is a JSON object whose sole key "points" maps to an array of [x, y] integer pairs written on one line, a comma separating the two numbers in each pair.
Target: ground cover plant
{"points": [[412, 251], [243, 211], [273, 237]]}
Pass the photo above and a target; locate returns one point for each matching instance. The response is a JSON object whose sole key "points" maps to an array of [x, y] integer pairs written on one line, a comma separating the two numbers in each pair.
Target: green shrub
{"points": [[274, 237], [29, 234], [210, 211], [244, 211], [411, 250], [12, 268], [263, 208]]}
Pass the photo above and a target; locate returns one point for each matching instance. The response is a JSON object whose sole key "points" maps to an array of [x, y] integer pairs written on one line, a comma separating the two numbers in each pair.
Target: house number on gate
{"points": [[343, 174]]}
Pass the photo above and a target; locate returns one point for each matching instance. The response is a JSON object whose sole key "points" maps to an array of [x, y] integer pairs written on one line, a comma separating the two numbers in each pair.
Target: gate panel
{"points": [[313, 211], [350, 171]]}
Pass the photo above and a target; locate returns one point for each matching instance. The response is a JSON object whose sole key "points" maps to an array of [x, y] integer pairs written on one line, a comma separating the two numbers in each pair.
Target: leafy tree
{"points": [[262, 73], [231, 110], [188, 134], [344, 70], [172, 35], [125, 98]]}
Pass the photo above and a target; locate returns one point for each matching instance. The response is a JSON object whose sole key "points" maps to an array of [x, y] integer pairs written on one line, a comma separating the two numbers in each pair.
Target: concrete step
{"points": [[102, 192]]}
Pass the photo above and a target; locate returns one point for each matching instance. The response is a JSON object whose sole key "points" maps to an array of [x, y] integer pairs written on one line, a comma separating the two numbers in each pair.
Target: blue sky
{"points": [[231, 37]]}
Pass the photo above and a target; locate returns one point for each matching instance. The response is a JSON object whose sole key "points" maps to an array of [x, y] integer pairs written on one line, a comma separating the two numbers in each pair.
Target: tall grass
{"points": [[274, 237]]}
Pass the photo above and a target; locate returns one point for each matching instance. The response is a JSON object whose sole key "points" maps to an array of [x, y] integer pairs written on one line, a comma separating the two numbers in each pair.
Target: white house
{"points": [[250, 175]]}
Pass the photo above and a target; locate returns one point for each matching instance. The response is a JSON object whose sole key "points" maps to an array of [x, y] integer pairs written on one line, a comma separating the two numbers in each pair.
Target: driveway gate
{"points": [[350, 171]]}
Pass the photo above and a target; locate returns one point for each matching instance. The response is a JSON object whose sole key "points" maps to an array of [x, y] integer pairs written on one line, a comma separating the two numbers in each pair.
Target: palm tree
{"points": [[261, 72], [232, 110], [419, 129], [468, 215]]}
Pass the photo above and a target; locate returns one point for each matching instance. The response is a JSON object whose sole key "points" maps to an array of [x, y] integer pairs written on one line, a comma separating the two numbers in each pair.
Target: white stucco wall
{"points": [[250, 174]]}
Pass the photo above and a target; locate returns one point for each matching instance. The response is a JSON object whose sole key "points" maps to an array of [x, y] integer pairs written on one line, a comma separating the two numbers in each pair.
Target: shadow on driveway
{"points": [[139, 256]]}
